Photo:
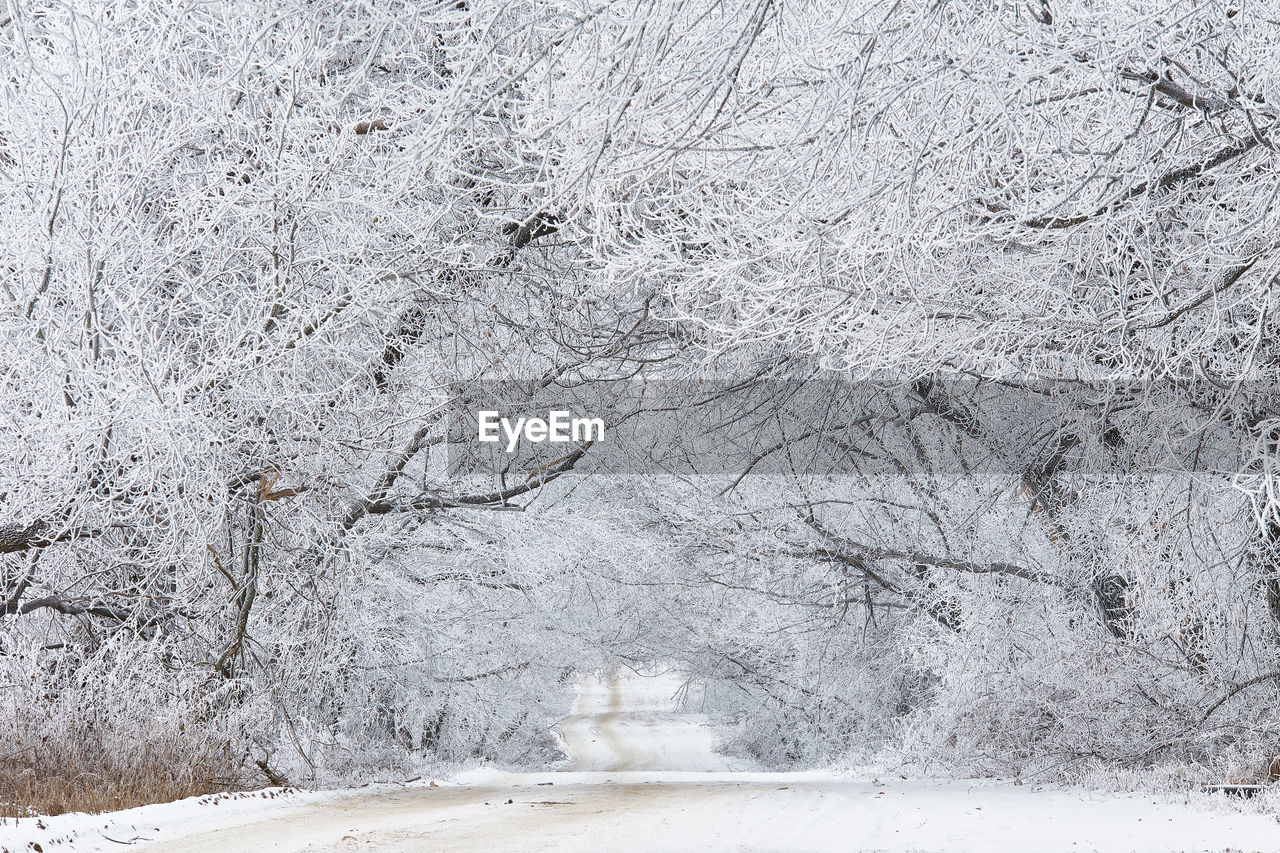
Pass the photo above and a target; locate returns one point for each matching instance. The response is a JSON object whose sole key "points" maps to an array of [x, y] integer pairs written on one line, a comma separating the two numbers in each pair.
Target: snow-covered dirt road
{"points": [[643, 777], [630, 724]]}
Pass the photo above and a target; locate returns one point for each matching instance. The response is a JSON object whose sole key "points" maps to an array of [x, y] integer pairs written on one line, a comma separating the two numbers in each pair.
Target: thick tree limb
{"points": [[1175, 92], [1269, 676], [72, 607], [920, 558], [1229, 278], [1167, 181], [459, 679], [16, 536], [485, 500]]}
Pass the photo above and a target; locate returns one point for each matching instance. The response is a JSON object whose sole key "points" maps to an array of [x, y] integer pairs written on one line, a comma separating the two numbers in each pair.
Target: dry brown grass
{"points": [[48, 778]]}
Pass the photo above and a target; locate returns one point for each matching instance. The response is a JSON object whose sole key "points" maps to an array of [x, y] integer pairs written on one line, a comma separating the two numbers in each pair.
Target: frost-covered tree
{"points": [[992, 284], [261, 259]]}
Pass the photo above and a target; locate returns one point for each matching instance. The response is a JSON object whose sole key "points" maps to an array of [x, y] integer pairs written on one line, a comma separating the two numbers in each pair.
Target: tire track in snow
{"points": [[630, 724]]}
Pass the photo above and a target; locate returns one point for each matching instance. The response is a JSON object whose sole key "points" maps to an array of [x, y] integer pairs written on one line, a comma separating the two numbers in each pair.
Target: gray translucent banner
{"points": [[832, 427]]}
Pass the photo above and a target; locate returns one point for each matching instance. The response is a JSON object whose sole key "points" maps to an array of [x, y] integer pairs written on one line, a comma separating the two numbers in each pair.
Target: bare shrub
{"points": [[116, 730]]}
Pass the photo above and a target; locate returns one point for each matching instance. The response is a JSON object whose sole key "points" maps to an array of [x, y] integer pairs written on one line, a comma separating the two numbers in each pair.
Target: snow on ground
{"points": [[629, 724], [643, 777]]}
